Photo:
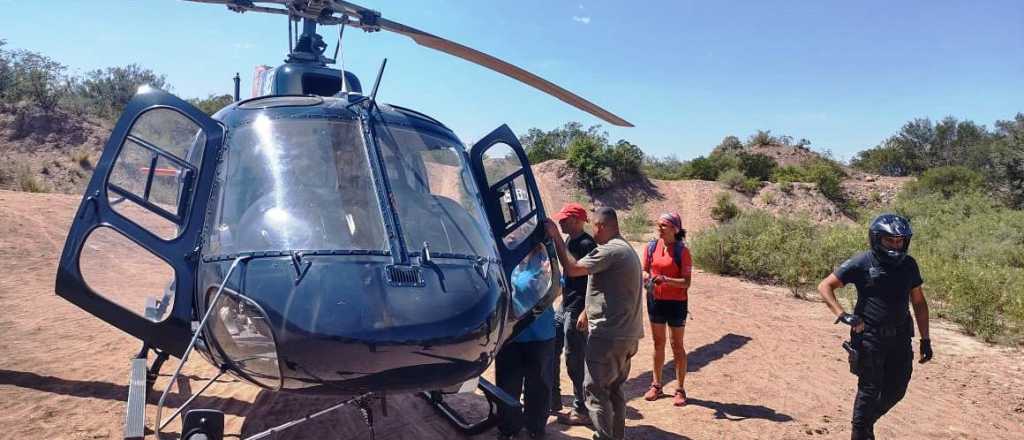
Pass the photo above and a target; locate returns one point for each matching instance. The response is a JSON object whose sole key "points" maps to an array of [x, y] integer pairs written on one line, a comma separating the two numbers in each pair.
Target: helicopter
{"points": [[315, 240]]}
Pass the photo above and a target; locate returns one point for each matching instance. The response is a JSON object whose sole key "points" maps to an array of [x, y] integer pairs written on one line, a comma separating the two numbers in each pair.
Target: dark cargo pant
{"points": [[573, 343], [608, 362], [886, 364], [524, 369]]}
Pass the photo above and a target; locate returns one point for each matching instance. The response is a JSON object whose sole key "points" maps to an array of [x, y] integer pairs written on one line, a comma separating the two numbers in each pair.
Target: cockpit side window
{"points": [[437, 201], [296, 184]]}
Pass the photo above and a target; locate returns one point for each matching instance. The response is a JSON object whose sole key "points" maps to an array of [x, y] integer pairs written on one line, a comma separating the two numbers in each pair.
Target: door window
{"points": [[108, 258], [151, 176]]}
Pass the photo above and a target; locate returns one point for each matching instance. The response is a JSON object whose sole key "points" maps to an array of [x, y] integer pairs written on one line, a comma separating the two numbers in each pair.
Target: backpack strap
{"points": [[650, 253], [677, 255]]}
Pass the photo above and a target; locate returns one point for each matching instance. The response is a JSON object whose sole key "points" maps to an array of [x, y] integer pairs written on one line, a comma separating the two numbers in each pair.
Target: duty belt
{"points": [[885, 331]]}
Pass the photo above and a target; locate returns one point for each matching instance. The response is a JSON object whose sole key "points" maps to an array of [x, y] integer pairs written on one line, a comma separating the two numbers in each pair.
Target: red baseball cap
{"points": [[572, 210]]}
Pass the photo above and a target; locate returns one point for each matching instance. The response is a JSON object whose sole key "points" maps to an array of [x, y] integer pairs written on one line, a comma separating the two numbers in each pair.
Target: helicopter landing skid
{"points": [[498, 400]]}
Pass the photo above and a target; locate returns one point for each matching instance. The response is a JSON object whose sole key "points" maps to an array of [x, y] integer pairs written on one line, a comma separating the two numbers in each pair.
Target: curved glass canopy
{"points": [[299, 184]]}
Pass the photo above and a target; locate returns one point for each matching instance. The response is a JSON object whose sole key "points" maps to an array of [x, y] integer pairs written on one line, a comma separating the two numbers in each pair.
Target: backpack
{"points": [[677, 253]]}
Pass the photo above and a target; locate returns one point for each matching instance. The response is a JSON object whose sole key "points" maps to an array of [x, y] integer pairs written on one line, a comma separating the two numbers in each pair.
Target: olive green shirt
{"points": [[614, 301]]}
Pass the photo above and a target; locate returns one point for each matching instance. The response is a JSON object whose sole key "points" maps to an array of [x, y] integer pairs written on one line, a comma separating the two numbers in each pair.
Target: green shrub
{"points": [[732, 178], [702, 168], [757, 166], [970, 249], [769, 198], [947, 181], [724, 209], [786, 186], [762, 137], [586, 158], [792, 251]]}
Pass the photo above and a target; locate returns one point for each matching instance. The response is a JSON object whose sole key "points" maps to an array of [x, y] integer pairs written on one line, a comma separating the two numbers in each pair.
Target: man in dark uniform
{"points": [[571, 219], [887, 279]]}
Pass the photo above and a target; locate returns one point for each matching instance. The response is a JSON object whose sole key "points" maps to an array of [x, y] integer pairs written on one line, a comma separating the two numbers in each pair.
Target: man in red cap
{"points": [[568, 336]]}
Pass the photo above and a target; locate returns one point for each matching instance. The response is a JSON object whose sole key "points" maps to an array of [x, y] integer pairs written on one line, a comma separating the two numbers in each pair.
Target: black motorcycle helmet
{"points": [[890, 225]]}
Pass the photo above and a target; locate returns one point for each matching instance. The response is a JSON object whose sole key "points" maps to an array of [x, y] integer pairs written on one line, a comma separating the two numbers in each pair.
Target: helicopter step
{"points": [[135, 414], [498, 400]]}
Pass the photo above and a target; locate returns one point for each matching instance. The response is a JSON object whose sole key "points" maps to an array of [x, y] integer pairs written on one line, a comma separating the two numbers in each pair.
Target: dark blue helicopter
{"points": [[321, 242]]}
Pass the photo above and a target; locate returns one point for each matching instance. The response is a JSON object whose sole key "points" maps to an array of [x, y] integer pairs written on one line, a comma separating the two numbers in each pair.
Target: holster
{"points": [[853, 356]]}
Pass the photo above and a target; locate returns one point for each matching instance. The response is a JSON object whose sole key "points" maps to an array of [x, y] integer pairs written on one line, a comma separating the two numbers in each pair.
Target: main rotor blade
{"points": [[497, 65]]}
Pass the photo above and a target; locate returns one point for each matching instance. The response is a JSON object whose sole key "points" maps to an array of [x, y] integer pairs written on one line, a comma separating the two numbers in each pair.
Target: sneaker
{"points": [[502, 436], [574, 419], [680, 398], [653, 393], [538, 435]]}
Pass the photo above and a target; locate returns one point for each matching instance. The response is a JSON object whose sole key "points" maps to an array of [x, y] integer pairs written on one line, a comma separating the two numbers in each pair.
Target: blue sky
{"points": [[843, 74]]}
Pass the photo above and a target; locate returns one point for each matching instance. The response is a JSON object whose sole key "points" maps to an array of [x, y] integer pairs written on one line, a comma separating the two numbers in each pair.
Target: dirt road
{"points": [[762, 365]]}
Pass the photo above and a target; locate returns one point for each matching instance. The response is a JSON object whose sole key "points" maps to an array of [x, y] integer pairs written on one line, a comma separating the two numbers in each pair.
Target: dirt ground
{"points": [[762, 365]]}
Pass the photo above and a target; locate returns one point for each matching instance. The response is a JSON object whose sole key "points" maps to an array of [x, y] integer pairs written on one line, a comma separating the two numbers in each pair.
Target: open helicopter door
{"points": [[132, 252], [514, 210]]}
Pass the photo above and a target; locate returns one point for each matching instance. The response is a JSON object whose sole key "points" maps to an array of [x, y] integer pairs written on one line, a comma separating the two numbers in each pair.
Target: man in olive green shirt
{"points": [[613, 318]]}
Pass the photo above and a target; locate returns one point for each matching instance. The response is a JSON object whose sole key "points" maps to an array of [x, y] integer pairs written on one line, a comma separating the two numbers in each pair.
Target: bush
{"points": [[970, 249], [724, 209], [107, 91], [20, 177], [947, 181], [586, 158], [757, 166], [733, 179], [624, 159], [791, 251], [702, 168], [762, 137], [729, 144], [212, 103], [668, 168]]}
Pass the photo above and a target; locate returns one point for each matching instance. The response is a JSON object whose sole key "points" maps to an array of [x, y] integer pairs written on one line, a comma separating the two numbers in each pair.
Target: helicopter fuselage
{"points": [[336, 294]]}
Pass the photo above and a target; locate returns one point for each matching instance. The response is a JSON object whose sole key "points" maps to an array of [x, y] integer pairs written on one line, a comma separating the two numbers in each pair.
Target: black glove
{"points": [[848, 319], [926, 350]]}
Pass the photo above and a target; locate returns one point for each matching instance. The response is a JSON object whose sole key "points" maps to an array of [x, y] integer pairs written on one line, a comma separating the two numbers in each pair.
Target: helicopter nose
{"points": [[347, 324]]}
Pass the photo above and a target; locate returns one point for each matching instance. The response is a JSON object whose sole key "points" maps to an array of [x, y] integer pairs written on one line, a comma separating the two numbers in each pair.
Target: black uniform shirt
{"points": [[575, 289], [883, 291]]}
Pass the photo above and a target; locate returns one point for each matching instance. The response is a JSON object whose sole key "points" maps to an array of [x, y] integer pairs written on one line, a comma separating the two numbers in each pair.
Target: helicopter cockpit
{"points": [[299, 183]]}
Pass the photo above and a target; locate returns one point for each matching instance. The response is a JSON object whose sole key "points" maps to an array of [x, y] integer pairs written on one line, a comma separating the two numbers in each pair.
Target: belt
{"points": [[884, 331]]}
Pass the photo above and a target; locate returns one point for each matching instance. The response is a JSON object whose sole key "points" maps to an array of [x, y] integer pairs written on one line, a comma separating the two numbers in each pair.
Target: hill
{"points": [[48, 151], [694, 199]]}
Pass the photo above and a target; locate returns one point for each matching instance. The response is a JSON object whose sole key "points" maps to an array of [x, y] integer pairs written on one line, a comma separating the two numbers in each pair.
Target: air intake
{"points": [[403, 276]]}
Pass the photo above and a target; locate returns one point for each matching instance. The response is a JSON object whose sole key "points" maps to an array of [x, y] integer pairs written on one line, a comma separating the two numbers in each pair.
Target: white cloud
{"points": [[584, 19]]}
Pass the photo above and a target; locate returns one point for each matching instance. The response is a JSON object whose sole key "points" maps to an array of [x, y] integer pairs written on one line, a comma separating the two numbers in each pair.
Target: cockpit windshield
{"points": [[434, 192], [294, 184]]}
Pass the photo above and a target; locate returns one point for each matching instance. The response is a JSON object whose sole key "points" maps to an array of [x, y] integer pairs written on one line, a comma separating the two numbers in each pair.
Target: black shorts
{"points": [[664, 311]]}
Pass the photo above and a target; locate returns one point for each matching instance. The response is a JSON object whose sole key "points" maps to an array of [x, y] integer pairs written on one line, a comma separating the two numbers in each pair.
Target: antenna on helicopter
{"points": [[376, 84], [340, 59]]}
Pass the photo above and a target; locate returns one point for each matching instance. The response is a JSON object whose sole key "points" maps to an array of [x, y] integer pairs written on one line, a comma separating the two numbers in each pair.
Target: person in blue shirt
{"points": [[523, 368]]}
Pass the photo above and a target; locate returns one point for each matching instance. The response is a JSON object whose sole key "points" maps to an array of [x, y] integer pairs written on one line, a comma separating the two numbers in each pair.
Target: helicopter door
{"points": [[511, 197], [132, 252]]}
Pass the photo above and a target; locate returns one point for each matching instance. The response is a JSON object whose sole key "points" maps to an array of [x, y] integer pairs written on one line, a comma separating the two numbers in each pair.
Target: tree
{"points": [[625, 159], [702, 168], [586, 157], [729, 144], [756, 165], [107, 91], [762, 137], [543, 145], [212, 103]]}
